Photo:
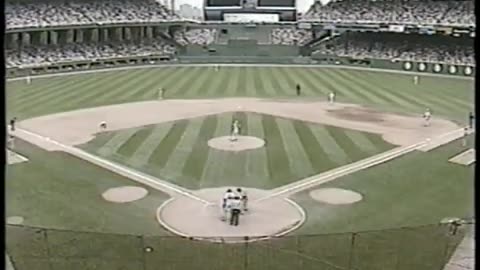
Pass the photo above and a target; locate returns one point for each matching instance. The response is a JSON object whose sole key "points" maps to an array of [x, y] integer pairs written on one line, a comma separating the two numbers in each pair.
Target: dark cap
{"points": [[229, 190], [239, 189]]}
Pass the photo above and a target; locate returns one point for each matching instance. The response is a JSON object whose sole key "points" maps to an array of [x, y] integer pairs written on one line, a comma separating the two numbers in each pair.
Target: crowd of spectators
{"points": [[40, 55], [78, 12], [290, 36], [395, 11], [204, 36], [400, 47]]}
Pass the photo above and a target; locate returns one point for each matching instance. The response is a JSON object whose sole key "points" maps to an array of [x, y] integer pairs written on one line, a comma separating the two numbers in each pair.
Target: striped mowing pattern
{"points": [[449, 97], [179, 151]]}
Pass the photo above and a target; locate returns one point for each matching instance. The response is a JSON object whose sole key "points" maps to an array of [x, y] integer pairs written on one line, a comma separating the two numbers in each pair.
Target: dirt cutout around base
{"points": [[241, 143], [124, 194], [15, 220], [466, 158], [335, 196], [191, 218]]}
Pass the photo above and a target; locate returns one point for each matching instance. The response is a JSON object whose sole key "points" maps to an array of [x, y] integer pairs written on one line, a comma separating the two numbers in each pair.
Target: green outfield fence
{"points": [[426, 247]]}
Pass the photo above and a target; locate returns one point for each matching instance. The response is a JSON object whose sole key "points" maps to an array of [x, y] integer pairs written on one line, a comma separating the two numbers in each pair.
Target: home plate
{"points": [[466, 158], [13, 158]]}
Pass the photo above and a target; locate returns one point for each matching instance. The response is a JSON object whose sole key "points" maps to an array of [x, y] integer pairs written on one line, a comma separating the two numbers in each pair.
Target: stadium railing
{"points": [[428, 247]]}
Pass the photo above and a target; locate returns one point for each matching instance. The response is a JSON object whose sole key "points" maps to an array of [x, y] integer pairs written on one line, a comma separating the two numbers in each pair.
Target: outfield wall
{"points": [[163, 60]]}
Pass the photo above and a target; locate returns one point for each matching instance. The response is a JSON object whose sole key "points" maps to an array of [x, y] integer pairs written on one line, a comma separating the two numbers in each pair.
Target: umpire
{"points": [[236, 208], [299, 89], [13, 121]]}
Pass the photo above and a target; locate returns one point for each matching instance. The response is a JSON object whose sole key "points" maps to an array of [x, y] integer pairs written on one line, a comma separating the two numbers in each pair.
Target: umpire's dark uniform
{"points": [[470, 119], [236, 210], [12, 123], [298, 89]]}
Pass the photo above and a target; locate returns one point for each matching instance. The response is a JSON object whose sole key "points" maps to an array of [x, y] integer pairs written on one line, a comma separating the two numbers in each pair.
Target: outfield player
{"points": [[29, 80], [415, 80], [427, 115], [217, 67]]}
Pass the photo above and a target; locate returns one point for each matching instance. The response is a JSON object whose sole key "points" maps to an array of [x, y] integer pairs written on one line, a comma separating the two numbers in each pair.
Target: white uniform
{"points": [[226, 204], [244, 200], [235, 130], [427, 115], [29, 80], [216, 67], [415, 80], [331, 97]]}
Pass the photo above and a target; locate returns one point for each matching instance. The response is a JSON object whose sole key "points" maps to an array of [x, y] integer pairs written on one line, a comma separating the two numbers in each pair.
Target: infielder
{"points": [[226, 204], [235, 130], [427, 115], [242, 193], [331, 97], [236, 206]]}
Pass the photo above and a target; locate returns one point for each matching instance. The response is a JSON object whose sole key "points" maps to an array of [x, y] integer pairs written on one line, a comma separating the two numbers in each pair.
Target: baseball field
{"points": [[358, 184]]}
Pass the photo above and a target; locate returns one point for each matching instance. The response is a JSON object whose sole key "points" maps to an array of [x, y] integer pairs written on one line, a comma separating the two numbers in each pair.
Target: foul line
{"points": [[350, 168], [128, 172]]}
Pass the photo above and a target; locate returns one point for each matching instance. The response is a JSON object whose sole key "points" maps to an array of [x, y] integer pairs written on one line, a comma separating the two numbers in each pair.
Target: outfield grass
{"points": [[178, 151], [449, 97]]}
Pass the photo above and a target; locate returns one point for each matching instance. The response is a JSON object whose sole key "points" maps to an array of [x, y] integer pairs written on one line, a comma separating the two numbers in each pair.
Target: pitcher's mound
{"points": [[335, 196], [124, 194], [265, 219], [242, 143]]}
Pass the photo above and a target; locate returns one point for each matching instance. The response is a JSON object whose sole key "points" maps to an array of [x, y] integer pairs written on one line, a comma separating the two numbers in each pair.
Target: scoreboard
{"points": [[276, 3], [284, 10], [223, 3]]}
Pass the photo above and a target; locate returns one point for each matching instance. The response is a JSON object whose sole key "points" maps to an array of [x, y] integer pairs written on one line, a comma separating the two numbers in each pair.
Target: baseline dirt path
{"points": [[80, 126]]}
